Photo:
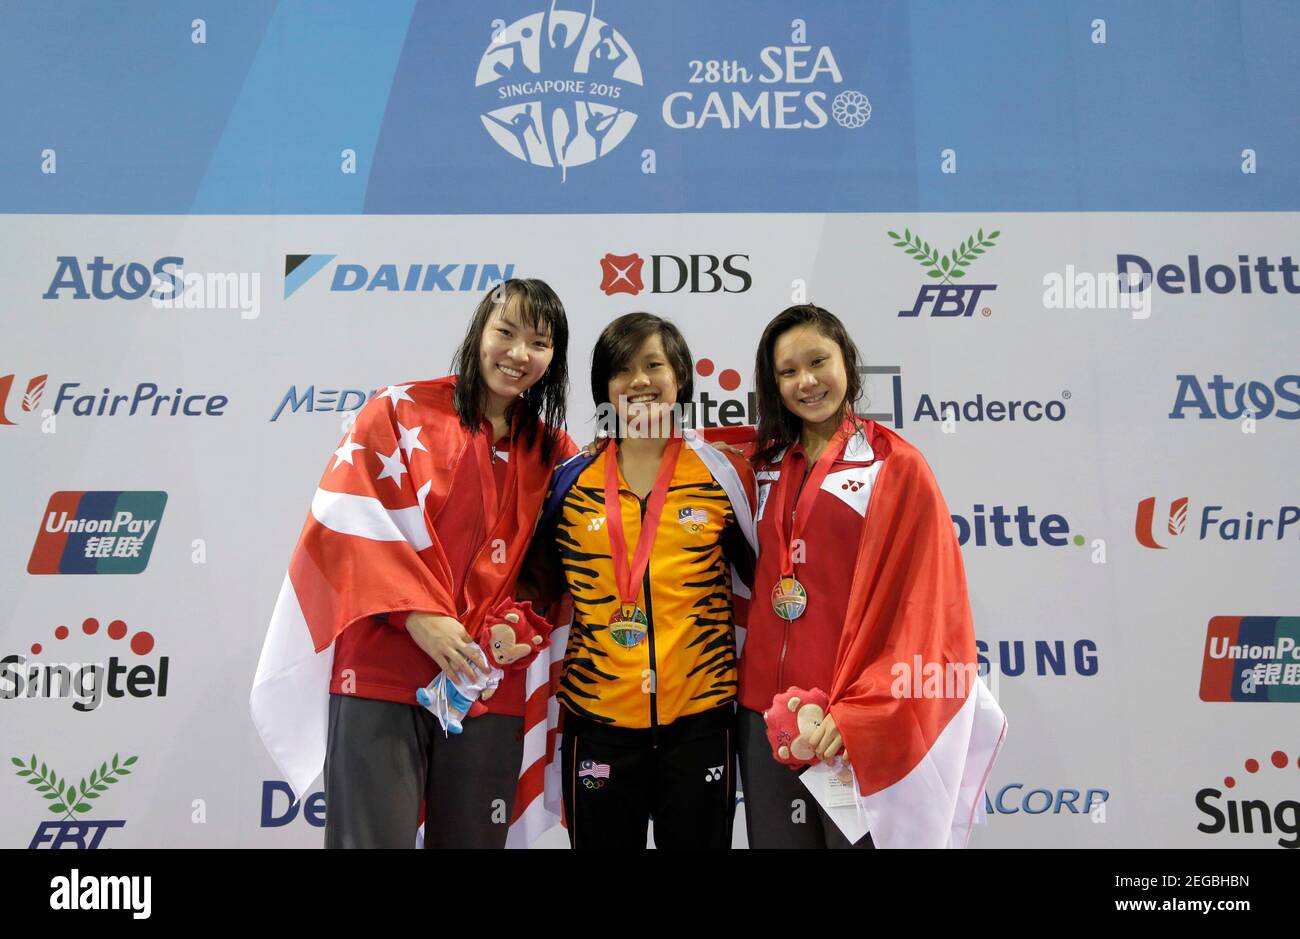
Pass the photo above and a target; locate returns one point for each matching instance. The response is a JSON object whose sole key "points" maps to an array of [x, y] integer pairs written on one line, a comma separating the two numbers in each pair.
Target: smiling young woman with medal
{"points": [[646, 532], [861, 564]]}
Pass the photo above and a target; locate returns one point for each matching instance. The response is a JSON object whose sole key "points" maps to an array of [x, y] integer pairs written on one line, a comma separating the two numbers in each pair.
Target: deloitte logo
{"points": [[557, 83]]}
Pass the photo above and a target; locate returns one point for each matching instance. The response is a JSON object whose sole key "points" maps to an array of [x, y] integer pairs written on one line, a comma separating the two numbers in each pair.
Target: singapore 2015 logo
{"points": [[559, 81]]}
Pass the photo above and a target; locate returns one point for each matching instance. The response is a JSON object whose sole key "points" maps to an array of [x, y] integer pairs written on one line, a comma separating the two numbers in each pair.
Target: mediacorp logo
{"points": [[97, 533], [792, 87], [1159, 531], [1241, 816], [972, 410], [1233, 400], [1252, 658], [405, 277], [311, 399], [70, 799], [557, 86], [86, 683], [1014, 799], [671, 273], [948, 299]]}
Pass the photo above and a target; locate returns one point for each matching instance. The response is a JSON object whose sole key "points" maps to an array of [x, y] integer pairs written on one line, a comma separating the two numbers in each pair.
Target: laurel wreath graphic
{"points": [[70, 798], [946, 266]]}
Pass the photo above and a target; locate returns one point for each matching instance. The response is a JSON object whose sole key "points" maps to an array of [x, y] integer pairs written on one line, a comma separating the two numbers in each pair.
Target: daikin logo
{"points": [[556, 88], [944, 298], [458, 277]]}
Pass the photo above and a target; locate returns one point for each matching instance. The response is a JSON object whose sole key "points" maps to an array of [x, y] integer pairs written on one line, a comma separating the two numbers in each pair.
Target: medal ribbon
{"points": [[628, 579], [803, 507], [487, 479]]}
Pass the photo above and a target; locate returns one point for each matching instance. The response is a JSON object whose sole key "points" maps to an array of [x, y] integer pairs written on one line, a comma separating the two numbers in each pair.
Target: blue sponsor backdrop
{"points": [[1040, 116]]}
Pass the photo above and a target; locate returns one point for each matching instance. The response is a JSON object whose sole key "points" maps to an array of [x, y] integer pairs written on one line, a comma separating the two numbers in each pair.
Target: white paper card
{"points": [[836, 791]]}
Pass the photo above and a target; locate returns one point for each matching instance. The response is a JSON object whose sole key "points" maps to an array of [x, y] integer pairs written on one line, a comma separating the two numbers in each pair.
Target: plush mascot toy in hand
{"points": [[512, 636], [791, 720]]}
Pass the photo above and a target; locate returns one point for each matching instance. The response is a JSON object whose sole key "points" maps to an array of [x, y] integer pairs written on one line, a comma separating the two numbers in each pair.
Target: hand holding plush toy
{"points": [[512, 636], [791, 721]]}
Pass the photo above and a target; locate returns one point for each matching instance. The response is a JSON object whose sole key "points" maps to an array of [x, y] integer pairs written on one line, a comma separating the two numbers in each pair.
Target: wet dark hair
{"points": [[538, 308], [622, 339], [777, 427]]}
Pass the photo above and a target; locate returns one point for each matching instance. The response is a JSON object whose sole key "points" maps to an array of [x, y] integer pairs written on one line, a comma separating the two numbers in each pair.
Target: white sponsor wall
{"points": [[1126, 716]]}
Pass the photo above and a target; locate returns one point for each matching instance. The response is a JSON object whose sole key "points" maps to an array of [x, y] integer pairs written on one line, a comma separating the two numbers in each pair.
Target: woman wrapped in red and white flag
{"points": [[416, 533], [860, 592]]}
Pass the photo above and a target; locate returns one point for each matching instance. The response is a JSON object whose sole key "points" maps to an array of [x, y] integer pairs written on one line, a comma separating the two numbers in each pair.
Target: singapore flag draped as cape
{"points": [[921, 745], [368, 548]]}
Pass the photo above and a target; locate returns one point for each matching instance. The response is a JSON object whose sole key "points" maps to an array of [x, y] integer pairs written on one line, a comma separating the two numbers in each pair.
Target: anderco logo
{"points": [[946, 298]]}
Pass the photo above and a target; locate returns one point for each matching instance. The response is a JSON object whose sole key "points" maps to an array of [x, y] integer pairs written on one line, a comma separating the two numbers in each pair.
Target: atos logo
{"points": [[128, 281], [86, 684], [279, 807], [694, 273], [1012, 799], [1281, 816], [948, 299], [1250, 399], [459, 277], [1252, 658], [1213, 522], [1005, 529], [30, 399]]}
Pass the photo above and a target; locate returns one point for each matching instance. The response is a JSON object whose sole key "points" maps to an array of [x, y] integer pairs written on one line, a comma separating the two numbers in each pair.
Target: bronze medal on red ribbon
{"points": [[789, 596], [629, 623]]}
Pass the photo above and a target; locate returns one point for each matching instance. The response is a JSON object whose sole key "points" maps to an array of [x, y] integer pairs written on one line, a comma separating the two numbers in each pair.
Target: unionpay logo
{"points": [[556, 87], [30, 398], [97, 533], [70, 800], [943, 297], [1252, 658]]}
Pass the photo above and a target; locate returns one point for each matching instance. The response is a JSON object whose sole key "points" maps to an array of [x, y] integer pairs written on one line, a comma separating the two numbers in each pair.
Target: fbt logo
{"points": [[997, 526], [279, 807], [68, 798], [976, 410], [944, 298], [97, 533], [558, 88], [458, 277], [1233, 400], [1014, 799], [129, 281], [1252, 658], [1158, 531], [1272, 815], [86, 684], [1050, 657], [312, 399], [30, 400], [669, 273]]}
